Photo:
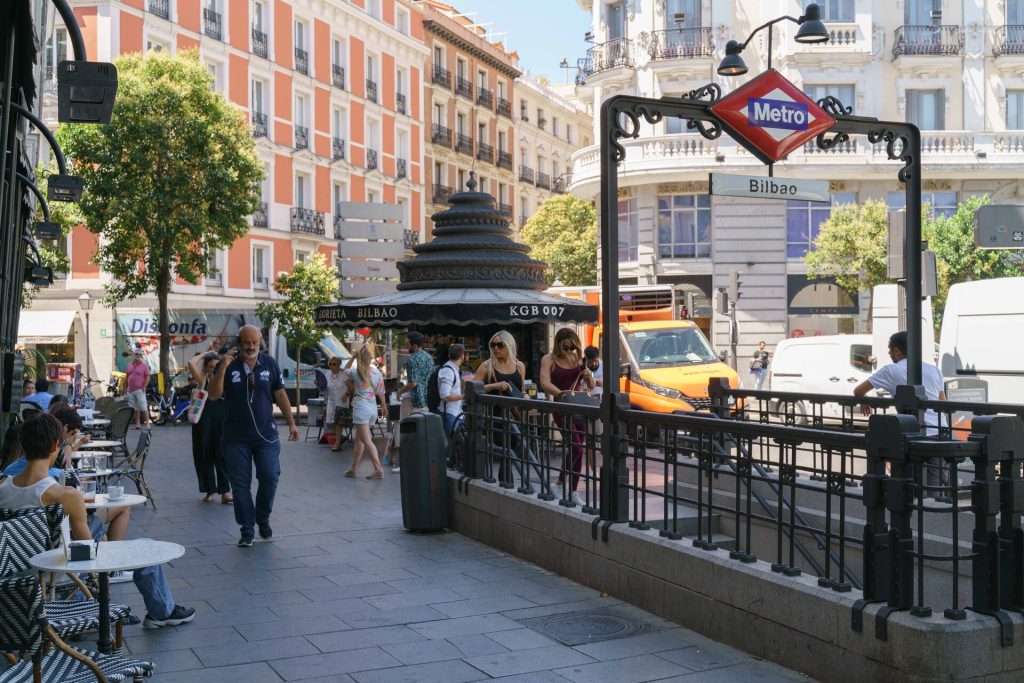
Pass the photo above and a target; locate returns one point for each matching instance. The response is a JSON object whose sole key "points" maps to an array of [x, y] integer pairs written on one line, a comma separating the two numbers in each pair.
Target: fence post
{"points": [[614, 499]]}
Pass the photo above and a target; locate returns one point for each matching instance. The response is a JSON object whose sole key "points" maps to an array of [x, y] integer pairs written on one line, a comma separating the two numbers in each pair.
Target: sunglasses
{"points": [[497, 345], [568, 347]]}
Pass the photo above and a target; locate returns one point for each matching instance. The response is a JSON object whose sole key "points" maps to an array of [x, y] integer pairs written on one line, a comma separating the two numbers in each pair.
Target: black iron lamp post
{"points": [[811, 30], [85, 302]]}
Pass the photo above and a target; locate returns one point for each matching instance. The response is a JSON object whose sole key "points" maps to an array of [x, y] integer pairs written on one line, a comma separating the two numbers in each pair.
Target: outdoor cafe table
{"points": [[104, 501], [99, 443], [75, 455], [111, 556]]}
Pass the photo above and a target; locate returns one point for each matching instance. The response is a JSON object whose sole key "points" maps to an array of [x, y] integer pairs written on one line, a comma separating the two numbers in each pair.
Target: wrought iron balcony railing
{"points": [[463, 87], [558, 185], [401, 168], [259, 43], [161, 8], [441, 193], [412, 238], [1009, 40], [613, 54], [485, 152], [544, 181], [681, 43], [307, 221], [505, 209], [259, 125], [212, 23], [338, 76], [301, 61], [463, 144], [522, 221], [371, 90], [928, 40], [505, 160], [439, 135], [526, 174], [371, 159], [301, 137], [485, 98], [504, 107], [441, 76], [259, 219], [400, 102], [338, 148]]}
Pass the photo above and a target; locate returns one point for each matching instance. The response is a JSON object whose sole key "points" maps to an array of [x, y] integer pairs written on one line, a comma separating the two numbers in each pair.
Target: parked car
{"points": [[832, 364]]}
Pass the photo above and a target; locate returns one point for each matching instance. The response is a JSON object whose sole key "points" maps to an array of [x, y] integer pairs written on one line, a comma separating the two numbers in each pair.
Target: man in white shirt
{"points": [[449, 387], [888, 377]]}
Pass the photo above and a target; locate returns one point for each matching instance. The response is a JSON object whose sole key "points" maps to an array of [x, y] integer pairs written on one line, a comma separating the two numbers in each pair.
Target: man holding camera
{"points": [[250, 382]]}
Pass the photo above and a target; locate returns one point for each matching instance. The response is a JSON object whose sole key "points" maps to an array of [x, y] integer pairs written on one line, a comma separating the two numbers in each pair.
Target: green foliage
{"points": [[852, 245], [65, 214], [168, 181], [563, 234], [35, 363]]}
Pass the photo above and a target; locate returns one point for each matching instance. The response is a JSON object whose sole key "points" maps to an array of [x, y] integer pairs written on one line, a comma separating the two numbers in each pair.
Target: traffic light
{"points": [[723, 301]]}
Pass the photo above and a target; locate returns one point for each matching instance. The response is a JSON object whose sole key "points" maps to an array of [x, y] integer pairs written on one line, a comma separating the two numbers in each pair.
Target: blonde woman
{"points": [[336, 394], [366, 386]]}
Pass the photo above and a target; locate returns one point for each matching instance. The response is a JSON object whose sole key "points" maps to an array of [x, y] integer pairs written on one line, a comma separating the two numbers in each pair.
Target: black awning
{"points": [[469, 306]]}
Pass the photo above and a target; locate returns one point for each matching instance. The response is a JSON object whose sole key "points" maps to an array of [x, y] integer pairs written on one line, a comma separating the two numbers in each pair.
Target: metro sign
{"points": [[771, 117]]}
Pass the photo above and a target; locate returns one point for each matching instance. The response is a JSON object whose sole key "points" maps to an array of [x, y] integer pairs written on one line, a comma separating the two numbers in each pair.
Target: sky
{"points": [[543, 32]]}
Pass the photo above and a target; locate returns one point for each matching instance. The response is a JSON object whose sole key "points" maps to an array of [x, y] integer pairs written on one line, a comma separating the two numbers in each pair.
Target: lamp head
{"points": [[812, 29], [564, 64], [732, 64]]}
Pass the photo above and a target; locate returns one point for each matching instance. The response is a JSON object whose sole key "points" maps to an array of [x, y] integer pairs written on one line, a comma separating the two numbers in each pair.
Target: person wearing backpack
{"points": [[448, 383]]}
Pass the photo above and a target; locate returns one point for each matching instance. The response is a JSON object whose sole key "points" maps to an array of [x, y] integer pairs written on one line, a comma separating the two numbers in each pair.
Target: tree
{"points": [[851, 247], [957, 257], [311, 283], [170, 180], [563, 234]]}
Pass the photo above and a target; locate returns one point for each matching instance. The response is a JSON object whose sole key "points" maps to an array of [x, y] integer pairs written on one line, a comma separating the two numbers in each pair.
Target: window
{"points": [[338, 52], [481, 80], [438, 56], [675, 125], [501, 89], [860, 357], [260, 267], [301, 256], [483, 184], [258, 99], [340, 194], [524, 208], [502, 141], [56, 51], [1015, 12], [371, 196], [555, 128], [371, 68], [402, 21], [568, 133], [401, 144], [373, 8], [338, 123], [259, 15], [629, 230], [460, 68], [400, 82], [1015, 109], [215, 74], [461, 180], [439, 175], [156, 46], [843, 93], [524, 110], [439, 115], [481, 134], [460, 124], [804, 219], [927, 109], [615, 19], [684, 226], [301, 190], [300, 111], [834, 10], [690, 9], [300, 35], [215, 267], [940, 203], [372, 140]]}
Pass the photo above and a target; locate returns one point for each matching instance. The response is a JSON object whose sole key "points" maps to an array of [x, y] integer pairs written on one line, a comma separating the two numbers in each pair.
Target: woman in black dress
{"points": [[206, 434]]}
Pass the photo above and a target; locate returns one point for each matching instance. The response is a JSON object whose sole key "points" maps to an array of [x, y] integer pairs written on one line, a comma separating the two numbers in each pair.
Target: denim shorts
{"points": [[364, 412]]}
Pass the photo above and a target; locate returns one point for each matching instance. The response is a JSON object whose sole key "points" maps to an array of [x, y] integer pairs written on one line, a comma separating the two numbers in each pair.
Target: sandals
{"points": [[208, 498], [376, 475], [226, 499], [350, 473]]}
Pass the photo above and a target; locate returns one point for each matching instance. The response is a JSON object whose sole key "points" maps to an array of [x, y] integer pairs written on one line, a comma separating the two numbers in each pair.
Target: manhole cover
{"points": [[585, 627]]}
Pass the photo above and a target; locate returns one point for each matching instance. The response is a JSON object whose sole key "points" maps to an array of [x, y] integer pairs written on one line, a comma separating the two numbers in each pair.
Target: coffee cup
{"points": [[115, 492]]}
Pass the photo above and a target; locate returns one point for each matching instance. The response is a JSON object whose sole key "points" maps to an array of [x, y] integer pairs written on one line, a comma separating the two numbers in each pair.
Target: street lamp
{"points": [[812, 30], [85, 302], [565, 67]]}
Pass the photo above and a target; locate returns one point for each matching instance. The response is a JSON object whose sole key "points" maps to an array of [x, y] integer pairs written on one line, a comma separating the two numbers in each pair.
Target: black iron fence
{"points": [[259, 43], [485, 97], [301, 61], [504, 107], [259, 124], [928, 40], [400, 102], [337, 148], [1008, 40], [212, 23], [441, 135], [338, 76], [259, 219], [916, 520], [160, 8], [526, 174], [371, 90], [484, 152], [301, 137], [371, 159], [441, 76], [505, 160], [463, 144], [463, 87], [307, 221], [401, 168]]}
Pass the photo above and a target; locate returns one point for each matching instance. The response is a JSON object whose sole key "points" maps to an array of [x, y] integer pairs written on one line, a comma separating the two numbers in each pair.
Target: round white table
{"points": [[82, 474], [95, 422], [111, 556], [103, 501], [99, 443], [75, 455]]}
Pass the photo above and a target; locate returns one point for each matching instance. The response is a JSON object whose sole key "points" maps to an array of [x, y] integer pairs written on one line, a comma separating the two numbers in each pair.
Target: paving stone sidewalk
{"points": [[344, 593]]}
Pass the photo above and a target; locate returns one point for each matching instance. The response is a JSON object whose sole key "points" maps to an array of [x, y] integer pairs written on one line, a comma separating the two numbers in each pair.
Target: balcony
{"points": [[160, 8], [522, 221], [441, 76], [558, 185], [371, 159], [259, 43], [505, 209], [371, 90], [307, 221], [523, 116], [681, 43], [604, 57], [544, 181], [928, 41], [337, 148], [259, 219], [301, 61], [259, 125], [439, 135], [504, 107], [301, 137], [1009, 40], [441, 194], [505, 161], [485, 152], [464, 144], [338, 76], [212, 24], [464, 88], [400, 102], [261, 283], [526, 174], [411, 238], [401, 168], [485, 98]]}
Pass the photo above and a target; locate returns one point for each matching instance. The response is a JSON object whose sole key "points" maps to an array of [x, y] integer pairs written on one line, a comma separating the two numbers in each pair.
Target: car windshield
{"points": [[674, 346]]}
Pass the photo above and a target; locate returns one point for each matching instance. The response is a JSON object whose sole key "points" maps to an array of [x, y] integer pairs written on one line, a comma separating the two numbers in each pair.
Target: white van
{"points": [[982, 329], [885, 323], [312, 358], [832, 364]]}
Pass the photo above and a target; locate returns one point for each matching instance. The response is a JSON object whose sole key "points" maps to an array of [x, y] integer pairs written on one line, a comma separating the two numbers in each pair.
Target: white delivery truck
{"points": [[981, 346], [831, 364], [885, 323]]}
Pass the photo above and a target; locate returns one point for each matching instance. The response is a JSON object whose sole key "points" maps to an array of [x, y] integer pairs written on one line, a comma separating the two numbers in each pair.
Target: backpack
{"points": [[434, 391]]}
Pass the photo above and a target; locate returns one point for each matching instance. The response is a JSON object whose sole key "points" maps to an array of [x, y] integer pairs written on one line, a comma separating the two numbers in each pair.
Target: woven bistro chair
{"points": [[118, 431], [134, 467]]}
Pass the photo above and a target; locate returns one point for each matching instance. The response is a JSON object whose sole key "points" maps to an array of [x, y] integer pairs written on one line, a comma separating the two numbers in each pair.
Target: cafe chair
{"points": [[118, 430], [103, 406], [38, 530], [134, 467]]}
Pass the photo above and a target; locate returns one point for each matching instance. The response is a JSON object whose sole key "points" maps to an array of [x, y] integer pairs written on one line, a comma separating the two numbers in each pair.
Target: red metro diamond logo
{"points": [[771, 117]]}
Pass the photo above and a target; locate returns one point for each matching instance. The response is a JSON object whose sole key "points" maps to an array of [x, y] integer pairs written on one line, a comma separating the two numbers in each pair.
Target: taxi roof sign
{"points": [[771, 117]]}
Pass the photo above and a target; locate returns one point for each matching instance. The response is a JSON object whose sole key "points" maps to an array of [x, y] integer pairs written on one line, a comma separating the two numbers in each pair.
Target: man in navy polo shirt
{"points": [[250, 383]]}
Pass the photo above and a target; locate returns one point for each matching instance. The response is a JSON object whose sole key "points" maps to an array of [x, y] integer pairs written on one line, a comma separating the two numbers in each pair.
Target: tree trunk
{"points": [[163, 289], [298, 377]]}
